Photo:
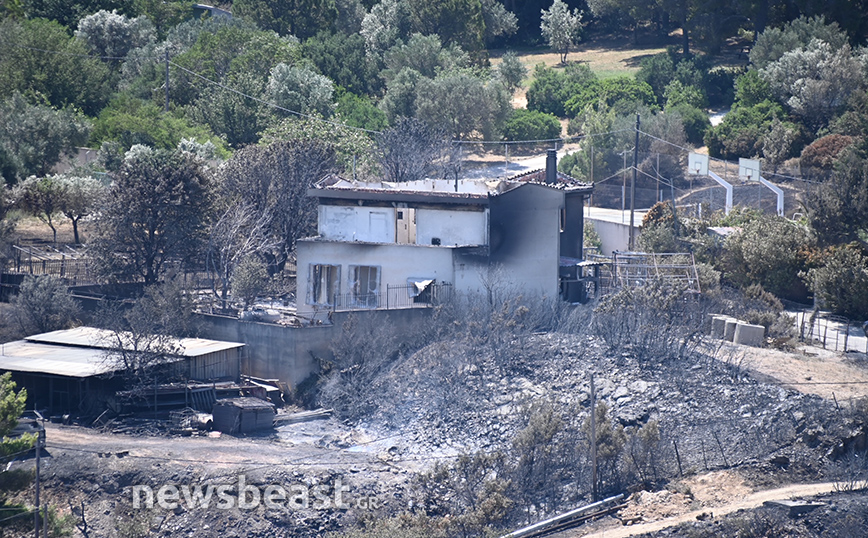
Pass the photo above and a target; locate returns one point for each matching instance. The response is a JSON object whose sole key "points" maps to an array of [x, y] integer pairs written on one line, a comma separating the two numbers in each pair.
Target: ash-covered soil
{"points": [[447, 399]]}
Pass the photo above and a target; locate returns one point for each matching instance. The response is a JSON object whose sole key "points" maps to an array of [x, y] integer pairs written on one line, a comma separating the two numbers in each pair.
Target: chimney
{"points": [[552, 166]]}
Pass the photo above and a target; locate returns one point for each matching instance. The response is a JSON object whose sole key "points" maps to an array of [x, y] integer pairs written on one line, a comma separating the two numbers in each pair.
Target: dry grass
{"points": [[606, 57], [31, 230]]}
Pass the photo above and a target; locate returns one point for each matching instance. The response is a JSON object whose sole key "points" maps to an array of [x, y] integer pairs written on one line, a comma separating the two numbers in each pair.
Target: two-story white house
{"points": [[395, 245]]}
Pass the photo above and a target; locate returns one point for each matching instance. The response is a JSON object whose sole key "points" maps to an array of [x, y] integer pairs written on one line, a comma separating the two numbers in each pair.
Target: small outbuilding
{"points": [[243, 415], [74, 371]]}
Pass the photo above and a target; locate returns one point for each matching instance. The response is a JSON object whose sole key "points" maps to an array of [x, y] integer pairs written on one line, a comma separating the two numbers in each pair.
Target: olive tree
{"points": [[561, 27], [34, 138], [113, 35], [300, 89]]}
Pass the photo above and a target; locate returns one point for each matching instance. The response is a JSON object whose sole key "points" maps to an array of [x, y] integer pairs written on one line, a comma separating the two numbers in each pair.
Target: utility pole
{"points": [[633, 184], [594, 492], [166, 108], [36, 513]]}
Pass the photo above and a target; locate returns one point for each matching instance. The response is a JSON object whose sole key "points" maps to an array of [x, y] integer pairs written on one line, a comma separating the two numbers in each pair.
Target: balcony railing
{"points": [[394, 297]]}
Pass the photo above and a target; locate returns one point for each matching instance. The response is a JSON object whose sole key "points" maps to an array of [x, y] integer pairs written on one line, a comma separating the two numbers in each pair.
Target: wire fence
{"points": [[835, 333]]}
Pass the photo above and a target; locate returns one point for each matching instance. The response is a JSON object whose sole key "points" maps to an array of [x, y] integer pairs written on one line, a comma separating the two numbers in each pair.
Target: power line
{"points": [[273, 105], [75, 54]]}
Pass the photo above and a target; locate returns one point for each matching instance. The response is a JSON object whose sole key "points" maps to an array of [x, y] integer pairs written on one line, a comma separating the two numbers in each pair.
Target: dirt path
{"points": [[752, 500], [224, 451], [810, 369]]}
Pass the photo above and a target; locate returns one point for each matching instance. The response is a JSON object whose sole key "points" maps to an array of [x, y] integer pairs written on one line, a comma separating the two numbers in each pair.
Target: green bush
{"points": [[613, 91], [360, 112], [741, 132], [695, 121], [525, 124], [841, 285], [551, 88], [657, 71], [771, 251]]}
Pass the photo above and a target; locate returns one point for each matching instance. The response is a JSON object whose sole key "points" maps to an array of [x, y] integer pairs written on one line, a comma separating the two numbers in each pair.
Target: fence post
{"points": [[388, 286]]}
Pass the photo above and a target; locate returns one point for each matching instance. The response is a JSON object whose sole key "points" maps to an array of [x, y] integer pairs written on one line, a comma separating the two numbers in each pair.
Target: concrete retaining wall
{"points": [[292, 354]]}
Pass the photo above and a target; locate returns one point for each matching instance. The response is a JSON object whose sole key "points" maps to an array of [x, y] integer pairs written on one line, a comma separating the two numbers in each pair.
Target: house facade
{"points": [[399, 245]]}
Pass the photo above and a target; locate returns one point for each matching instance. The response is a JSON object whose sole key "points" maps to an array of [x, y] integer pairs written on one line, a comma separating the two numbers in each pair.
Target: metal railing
{"points": [[394, 297]]}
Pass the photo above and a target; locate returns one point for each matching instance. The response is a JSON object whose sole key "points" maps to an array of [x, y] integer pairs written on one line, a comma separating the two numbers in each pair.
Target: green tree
{"points": [[677, 93], [551, 88], [43, 198], [499, 22], [657, 71], [770, 251], [352, 148], [43, 304], [695, 121], [111, 34], [33, 138], [233, 116], [424, 54], [742, 131], [342, 58], [81, 197], [620, 93], [300, 89], [359, 111], [841, 283], [773, 43], [630, 13], [457, 22], [155, 211], [462, 104], [12, 404], [400, 98], [70, 79], [387, 24], [164, 14], [130, 121], [838, 210], [300, 18], [511, 71], [220, 52], [561, 28], [816, 81]]}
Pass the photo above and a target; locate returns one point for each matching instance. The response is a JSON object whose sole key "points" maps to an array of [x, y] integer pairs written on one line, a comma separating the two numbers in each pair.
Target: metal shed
{"points": [[243, 415]]}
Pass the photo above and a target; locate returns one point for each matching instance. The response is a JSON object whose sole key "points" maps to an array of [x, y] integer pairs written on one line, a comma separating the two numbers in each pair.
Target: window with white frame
{"points": [[324, 284], [364, 286]]}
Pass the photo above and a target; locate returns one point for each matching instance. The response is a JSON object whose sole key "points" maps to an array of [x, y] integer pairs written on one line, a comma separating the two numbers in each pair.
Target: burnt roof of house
{"points": [[564, 181], [464, 191]]}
